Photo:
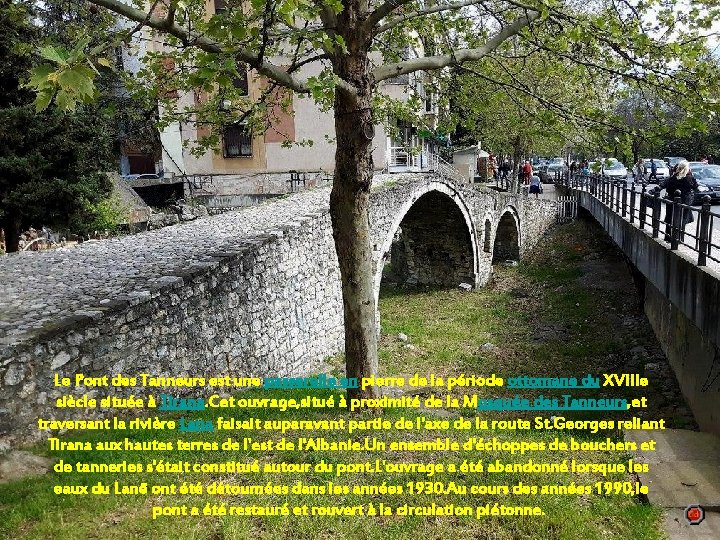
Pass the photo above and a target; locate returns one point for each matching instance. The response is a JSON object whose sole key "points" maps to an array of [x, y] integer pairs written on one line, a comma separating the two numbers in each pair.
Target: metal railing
{"points": [[504, 182], [444, 168], [666, 218], [411, 158]]}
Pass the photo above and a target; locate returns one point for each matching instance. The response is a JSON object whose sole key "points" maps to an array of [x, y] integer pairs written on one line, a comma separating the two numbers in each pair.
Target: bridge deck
{"points": [[41, 287]]}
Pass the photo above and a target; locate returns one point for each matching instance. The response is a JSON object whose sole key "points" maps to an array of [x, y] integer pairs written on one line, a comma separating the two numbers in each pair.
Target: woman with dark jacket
{"points": [[681, 180]]}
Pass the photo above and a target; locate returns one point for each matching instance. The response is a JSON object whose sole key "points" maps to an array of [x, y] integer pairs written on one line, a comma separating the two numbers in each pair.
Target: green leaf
{"points": [[238, 31], [51, 53], [65, 101], [78, 80], [43, 99], [40, 77], [104, 62]]}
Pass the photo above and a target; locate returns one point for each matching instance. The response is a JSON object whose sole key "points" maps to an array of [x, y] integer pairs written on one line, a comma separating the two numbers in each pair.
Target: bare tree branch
{"points": [[383, 11], [465, 55], [204, 43], [392, 23], [170, 19]]}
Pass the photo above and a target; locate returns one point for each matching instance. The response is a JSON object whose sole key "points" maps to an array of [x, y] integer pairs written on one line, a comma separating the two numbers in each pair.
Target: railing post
{"points": [[616, 196], [624, 199], [632, 202], [608, 193], [704, 235], [616, 189], [656, 214], [643, 208], [611, 189], [677, 211]]}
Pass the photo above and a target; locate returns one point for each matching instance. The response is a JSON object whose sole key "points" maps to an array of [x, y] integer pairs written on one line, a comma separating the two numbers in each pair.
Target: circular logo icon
{"points": [[694, 514]]}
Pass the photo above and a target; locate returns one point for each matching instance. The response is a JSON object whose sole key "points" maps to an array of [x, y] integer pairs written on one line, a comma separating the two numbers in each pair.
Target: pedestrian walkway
{"points": [[684, 471]]}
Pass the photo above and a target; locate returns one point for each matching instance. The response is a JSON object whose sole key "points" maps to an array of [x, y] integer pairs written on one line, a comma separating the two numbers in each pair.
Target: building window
{"points": [[430, 104], [237, 141], [119, 61], [240, 81], [220, 6]]}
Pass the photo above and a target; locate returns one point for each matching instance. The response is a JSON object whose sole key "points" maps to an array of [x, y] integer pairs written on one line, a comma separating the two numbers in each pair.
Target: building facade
{"points": [[295, 151]]}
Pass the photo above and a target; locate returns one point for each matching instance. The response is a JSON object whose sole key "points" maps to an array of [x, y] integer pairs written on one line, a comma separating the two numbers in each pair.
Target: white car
{"points": [[662, 170], [613, 169]]}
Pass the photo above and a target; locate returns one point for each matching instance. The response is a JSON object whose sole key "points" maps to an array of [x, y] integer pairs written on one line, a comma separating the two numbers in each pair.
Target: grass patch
{"points": [[447, 333]]}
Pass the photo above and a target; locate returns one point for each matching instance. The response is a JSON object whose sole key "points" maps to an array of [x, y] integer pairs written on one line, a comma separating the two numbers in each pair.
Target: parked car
{"points": [[613, 169], [708, 179], [662, 169], [547, 172], [672, 161]]}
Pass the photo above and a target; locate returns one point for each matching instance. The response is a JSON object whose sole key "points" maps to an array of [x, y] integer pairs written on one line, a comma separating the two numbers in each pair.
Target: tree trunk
{"points": [[349, 208], [635, 151], [12, 227], [517, 154]]}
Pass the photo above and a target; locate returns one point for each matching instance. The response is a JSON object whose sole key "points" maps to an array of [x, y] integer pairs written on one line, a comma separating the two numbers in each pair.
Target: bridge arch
{"points": [[432, 240], [507, 236]]}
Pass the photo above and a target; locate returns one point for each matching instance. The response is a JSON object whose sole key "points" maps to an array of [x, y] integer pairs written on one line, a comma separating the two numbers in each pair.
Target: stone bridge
{"points": [[252, 292]]}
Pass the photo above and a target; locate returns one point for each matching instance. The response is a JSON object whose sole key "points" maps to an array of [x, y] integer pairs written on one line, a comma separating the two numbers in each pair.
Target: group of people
{"points": [[680, 179], [583, 167], [531, 179], [496, 171], [639, 171], [503, 171]]}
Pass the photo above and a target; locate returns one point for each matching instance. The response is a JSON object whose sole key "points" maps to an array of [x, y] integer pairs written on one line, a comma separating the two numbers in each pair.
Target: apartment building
{"points": [[296, 150]]}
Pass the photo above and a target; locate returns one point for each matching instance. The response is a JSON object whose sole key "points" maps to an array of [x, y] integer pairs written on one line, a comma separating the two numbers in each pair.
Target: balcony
{"points": [[408, 159]]}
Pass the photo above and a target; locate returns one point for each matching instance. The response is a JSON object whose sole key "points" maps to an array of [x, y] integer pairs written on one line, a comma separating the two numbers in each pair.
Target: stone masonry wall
{"points": [[252, 292]]}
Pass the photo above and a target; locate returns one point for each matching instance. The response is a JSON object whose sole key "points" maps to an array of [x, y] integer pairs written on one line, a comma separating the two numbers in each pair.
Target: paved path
{"points": [[684, 471], [38, 287]]}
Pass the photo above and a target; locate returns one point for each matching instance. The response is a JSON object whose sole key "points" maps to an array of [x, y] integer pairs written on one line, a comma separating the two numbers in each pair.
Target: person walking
{"points": [[653, 170], [681, 180], [493, 166], [535, 185], [527, 172], [505, 170], [639, 171]]}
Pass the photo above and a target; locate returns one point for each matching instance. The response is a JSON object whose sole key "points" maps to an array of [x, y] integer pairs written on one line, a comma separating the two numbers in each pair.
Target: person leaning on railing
{"points": [[681, 180]]}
